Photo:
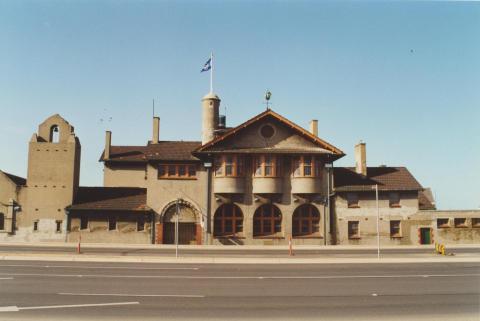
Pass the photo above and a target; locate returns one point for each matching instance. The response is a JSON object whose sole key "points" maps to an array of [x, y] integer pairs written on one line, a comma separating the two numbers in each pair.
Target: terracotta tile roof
{"points": [[425, 200], [387, 178], [19, 181], [110, 198], [163, 151], [270, 113]]}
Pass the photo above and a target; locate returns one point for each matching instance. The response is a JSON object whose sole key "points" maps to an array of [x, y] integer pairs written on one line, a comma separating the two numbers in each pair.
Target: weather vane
{"points": [[268, 95]]}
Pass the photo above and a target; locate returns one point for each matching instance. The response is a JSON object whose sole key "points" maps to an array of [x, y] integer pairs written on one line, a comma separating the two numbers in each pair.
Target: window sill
{"points": [[441, 227], [353, 206], [307, 237], [395, 206], [229, 237], [231, 176], [269, 237], [354, 237], [461, 226], [178, 178], [396, 236]]}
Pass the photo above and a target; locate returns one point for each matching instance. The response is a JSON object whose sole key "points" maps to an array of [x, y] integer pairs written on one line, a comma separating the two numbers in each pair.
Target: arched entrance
{"points": [[189, 228]]}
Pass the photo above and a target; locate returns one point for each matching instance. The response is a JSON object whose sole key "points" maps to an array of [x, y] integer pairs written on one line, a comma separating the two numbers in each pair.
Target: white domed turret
{"points": [[210, 110]]}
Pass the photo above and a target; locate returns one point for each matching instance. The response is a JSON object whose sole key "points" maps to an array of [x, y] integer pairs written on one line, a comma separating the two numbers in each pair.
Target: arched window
{"points": [[2, 221], [267, 220], [228, 220], [54, 134], [306, 221]]}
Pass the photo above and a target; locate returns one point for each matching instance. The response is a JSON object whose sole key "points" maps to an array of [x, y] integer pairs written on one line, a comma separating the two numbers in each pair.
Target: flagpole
{"points": [[211, 73]]}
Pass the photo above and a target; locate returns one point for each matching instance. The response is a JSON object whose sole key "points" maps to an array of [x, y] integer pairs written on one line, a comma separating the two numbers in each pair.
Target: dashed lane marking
{"points": [[16, 308], [135, 295]]}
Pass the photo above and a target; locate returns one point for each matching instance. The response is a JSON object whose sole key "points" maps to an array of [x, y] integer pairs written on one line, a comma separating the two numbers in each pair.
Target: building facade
{"points": [[263, 182]]}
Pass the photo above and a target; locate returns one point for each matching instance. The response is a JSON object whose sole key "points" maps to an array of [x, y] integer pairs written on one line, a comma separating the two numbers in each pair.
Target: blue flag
{"points": [[207, 66]]}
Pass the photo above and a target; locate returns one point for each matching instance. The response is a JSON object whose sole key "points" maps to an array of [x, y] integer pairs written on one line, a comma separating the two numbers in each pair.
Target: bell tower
{"points": [[53, 176]]}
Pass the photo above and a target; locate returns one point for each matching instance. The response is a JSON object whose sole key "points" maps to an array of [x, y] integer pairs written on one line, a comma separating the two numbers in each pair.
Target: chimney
{"points": [[108, 144], [361, 158], [156, 130], [314, 127]]}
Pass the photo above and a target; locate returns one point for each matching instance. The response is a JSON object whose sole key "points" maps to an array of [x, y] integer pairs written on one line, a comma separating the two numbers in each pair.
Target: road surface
{"points": [[132, 291]]}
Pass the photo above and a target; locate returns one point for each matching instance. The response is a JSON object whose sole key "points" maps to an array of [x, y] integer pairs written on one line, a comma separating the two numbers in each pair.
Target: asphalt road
{"points": [[120, 291], [230, 252]]}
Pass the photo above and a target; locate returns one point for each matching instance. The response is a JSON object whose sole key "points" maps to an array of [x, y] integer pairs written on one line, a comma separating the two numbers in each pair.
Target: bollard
{"points": [[290, 249]]}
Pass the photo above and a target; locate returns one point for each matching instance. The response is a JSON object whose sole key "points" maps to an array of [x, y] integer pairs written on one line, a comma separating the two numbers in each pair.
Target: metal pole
{"points": [[328, 208], [176, 228], [211, 72], [378, 222]]}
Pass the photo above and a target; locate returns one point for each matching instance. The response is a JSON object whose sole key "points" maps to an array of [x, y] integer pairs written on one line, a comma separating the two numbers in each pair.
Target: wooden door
{"points": [[186, 233], [425, 235]]}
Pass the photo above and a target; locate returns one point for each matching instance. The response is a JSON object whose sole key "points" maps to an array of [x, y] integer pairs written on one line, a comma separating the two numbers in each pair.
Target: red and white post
{"points": [[290, 246]]}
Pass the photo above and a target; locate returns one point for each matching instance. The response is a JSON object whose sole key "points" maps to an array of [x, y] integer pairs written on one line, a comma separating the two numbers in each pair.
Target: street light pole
{"points": [[378, 222], [176, 228]]}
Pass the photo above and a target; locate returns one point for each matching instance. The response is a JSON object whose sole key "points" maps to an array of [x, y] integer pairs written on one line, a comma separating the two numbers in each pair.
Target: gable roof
{"points": [[110, 198], [387, 178], [17, 180], [270, 113], [163, 151], [426, 200]]}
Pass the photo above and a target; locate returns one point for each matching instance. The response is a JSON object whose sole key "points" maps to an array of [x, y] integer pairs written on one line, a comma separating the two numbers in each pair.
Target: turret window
{"points": [[229, 165], [267, 166], [307, 166]]}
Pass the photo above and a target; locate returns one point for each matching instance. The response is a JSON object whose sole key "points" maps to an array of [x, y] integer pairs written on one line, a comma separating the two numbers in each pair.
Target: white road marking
{"points": [[6, 278], [11, 308], [136, 295], [16, 309], [102, 267], [241, 277], [374, 294]]}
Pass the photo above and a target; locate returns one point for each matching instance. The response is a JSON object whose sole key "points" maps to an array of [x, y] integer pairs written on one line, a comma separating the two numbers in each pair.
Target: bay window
{"points": [[307, 166], [267, 166], [229, 165]]}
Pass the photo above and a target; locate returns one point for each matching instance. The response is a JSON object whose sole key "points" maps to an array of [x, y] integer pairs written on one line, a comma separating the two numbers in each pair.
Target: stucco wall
{"points": [[97, 231], [366, 215], [125, 176], [452, 235]]}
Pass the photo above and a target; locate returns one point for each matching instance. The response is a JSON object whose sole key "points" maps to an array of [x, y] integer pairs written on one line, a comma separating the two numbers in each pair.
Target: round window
{"points": [[267, 131]]}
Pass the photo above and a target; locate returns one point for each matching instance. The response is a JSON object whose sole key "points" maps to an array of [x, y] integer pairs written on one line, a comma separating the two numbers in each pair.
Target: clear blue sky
{"points": [[402, 76]]}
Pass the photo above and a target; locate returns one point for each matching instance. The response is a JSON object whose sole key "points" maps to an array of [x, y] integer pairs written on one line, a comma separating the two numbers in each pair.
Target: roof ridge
{"points": [[280, 118]]}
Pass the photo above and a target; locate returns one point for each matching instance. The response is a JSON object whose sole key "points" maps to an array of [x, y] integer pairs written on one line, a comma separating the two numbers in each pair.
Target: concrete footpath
{"points": [[204, 254]]}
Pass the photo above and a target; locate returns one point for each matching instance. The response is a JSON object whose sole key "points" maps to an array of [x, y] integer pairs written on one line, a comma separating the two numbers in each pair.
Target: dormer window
{"points": [[229, 165], [54, 134]]}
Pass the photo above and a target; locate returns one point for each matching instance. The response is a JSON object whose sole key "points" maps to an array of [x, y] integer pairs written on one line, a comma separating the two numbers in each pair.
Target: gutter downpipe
{"points": [[206, 229]]}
